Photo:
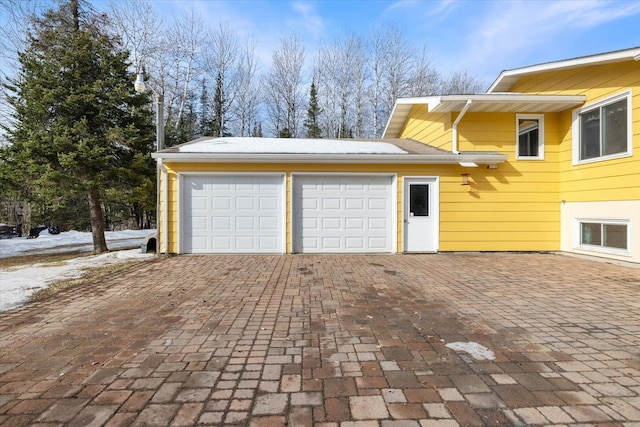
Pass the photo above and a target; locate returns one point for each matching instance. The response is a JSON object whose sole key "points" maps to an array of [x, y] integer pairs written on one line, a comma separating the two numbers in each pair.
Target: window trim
{"points": [[540, 118], [627, 94], [577, 236]]}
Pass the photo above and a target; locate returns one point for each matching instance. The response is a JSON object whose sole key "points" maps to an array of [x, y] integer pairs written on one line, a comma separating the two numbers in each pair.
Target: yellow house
{"points": [[546, 160]]}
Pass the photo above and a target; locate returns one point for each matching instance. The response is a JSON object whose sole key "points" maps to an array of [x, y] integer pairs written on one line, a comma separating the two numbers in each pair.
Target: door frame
{"points": [[434, 208], [393, 202], [182, 177]]}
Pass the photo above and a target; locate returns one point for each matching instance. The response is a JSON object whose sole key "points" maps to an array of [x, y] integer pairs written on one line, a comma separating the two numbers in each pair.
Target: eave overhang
{"points": [[480, 103], [508, 78], [488, 158]]}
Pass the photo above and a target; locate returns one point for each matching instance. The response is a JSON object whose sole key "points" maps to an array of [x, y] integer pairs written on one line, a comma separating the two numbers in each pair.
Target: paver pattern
{"points": [[330, 340]]}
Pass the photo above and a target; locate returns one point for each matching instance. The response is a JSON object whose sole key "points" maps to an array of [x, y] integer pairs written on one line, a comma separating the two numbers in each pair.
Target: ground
{"points": [[330, 340]]}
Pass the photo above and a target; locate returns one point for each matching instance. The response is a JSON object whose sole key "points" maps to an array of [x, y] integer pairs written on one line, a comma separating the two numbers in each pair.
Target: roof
{"points": [[493, 102], [508, 78], [296, 150]]}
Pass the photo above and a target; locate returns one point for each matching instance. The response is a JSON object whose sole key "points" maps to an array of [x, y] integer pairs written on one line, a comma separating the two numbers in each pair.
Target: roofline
{"points": [[505, 97], [440, 159], [597, 59]]}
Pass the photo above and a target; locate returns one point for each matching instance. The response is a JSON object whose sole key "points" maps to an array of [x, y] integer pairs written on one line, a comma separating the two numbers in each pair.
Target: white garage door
{"points": [[233, 214], [343, 214]]}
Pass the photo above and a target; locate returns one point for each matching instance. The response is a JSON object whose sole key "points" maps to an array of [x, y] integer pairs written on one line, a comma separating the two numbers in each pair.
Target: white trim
{"points": [[394, 201], [577, 236], [540, 119], [575, 125], [165, 210], [182, 175], [423, 159], [436, 216]]}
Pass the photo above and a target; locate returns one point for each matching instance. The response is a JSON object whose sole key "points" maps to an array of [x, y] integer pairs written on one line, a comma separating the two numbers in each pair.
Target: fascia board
{"points": [[444, 104], [479, 158]]}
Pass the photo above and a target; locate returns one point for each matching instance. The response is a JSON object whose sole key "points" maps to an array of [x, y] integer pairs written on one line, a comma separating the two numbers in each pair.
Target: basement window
{"points": [[604, 236]]}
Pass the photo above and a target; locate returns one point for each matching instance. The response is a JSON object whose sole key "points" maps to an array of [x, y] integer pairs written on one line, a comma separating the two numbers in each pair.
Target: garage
{"points": [[348, 214], [232, 213]]}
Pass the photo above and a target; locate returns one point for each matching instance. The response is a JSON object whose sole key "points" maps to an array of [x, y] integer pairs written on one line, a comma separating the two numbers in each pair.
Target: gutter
{"points": [[424, 159], [454, 127]]}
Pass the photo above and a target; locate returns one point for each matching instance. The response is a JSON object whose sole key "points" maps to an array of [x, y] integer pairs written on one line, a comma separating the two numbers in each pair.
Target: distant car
{"points": [[9, 231], [35, 231]]}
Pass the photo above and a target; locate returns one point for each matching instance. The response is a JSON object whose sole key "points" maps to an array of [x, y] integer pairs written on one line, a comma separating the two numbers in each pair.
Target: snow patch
{"points": [[289, 146], [475, 350], [18, 283]]}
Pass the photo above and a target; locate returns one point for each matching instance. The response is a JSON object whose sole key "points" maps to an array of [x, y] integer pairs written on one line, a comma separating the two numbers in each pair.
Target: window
{"points": [[604, 236], [530, 129], [603, 130]]}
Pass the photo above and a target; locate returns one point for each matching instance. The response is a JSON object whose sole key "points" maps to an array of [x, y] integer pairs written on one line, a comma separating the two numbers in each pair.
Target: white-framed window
{"points": [[602, 130], [530, 136], [603, 235]]}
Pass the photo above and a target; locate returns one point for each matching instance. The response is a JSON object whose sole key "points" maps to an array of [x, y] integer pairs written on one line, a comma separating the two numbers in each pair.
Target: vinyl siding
{"points": [[423, 126], [467, 213], [606, 180], [513, 208]]}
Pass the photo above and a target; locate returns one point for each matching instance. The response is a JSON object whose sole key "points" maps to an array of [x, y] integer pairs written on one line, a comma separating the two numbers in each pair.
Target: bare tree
{"points": [[16, 16], [139, 27], [461, 82], [245, 106], [284, 90], [425, 80], [221, 64], [340, 71]]}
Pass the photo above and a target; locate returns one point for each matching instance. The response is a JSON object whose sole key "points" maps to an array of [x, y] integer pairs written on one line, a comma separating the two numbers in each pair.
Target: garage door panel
{"points": [[269, 222], [200, 223], [268, 203], [354, 223], [343, 213], [233, 214], [355, 204], [331, 223], [331, 203]]}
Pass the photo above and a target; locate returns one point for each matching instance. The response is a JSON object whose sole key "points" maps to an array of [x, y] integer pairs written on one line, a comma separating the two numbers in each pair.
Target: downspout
{"points": [[454, 128]]}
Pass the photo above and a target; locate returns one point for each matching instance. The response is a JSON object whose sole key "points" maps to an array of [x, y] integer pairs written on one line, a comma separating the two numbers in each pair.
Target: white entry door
{"points": [[333, 213], [421, 214], [232, 214]]}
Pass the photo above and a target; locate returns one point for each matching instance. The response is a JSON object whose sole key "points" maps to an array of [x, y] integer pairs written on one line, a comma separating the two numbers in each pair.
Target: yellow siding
{"points": [[434, 128], [517, 206], [467, 213], [608, 180]]}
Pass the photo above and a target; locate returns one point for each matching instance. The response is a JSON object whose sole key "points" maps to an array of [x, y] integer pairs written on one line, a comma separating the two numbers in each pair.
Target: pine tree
{"points": [[79, 128], [313, 113], [218, 125]]}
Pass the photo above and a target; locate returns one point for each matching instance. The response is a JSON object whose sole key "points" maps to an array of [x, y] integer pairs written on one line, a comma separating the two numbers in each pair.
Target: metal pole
{"points": [[159, 121]]}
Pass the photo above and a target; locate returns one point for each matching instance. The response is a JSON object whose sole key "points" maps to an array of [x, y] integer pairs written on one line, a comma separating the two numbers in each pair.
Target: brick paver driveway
{"points": [[331, 341]]}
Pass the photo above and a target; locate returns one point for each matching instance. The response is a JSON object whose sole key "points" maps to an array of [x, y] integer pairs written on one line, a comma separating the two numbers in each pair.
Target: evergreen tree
{"points": [[285, 133], [206, 124], [218, 125], [313, 113], [79, 128]]}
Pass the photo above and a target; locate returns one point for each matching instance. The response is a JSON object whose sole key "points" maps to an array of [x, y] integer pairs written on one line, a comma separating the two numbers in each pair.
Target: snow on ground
{"points": [[289, 146], [475, 350], [18, 283]]}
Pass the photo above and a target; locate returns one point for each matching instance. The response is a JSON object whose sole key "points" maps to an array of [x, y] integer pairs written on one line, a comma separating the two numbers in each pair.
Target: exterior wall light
{"points": [[465, 178]]}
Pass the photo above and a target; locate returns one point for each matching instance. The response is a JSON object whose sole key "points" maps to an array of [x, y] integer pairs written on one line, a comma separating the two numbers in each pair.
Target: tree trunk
{"points": [[97, 222]]}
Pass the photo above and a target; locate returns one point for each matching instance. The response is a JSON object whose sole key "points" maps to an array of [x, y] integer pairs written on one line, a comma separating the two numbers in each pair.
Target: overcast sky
{"points": [[483, 37]]}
